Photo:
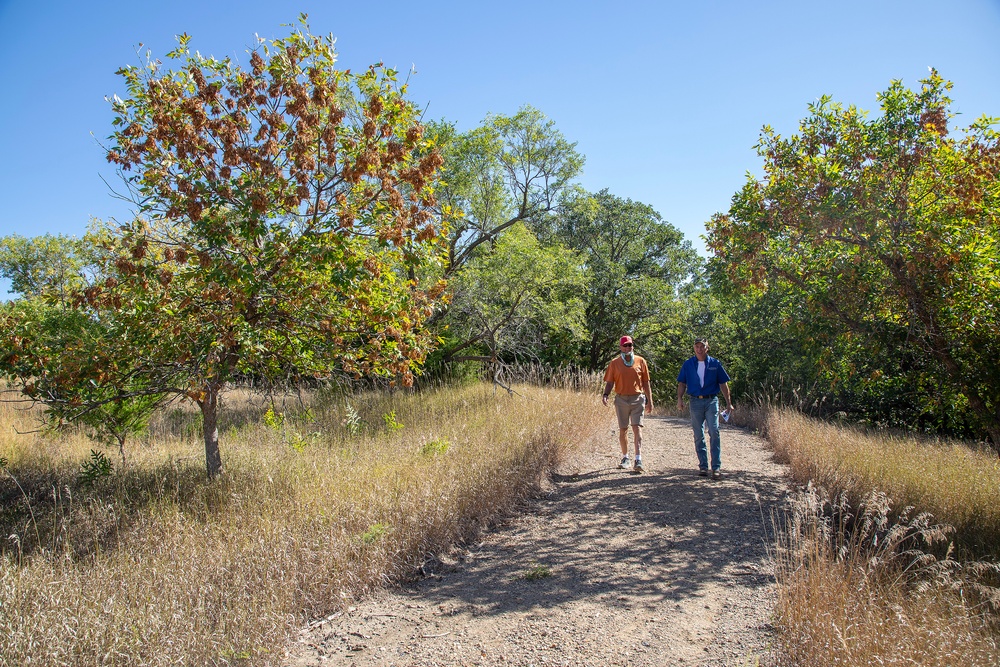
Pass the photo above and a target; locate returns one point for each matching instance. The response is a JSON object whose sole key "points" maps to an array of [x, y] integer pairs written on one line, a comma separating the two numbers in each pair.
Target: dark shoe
{"points": [[703, 472], [716, 474], [638, 465]]}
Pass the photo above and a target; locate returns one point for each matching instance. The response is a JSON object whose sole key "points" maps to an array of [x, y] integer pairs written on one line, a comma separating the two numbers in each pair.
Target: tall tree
{"points": [[637, 263], [888, 230], [513, 297], [54, 265], [510, 169], [283, 209]]}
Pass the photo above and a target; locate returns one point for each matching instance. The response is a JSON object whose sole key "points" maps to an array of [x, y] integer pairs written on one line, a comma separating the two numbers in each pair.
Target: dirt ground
{"points": [[608, 568]]}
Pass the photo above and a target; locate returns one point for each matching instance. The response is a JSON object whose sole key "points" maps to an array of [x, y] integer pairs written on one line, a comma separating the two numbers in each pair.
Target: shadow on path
{"points": [[611, 567]]}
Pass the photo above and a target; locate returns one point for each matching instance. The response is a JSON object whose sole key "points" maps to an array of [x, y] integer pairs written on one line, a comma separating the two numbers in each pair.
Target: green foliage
{"points": [[58, 357], [537, 571], [510, 170], [877, 239], [391, 423], [434, 447], [511, 296], [375, 533], [274, 420], [53, 265], [97, 467], [637, 263], [299, 442]]}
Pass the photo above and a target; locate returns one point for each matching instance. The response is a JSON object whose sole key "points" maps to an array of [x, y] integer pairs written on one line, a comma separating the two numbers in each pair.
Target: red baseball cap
{"points": [[625, 339]]}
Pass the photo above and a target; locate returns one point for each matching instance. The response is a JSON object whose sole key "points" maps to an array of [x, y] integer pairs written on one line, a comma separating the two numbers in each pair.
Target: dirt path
{"points": [[611, 568]]}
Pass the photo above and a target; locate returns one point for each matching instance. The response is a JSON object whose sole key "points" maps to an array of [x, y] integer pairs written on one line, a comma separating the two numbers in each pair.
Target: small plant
{"points": [[274, 420], [299, 442], [352, 420], [537, 571], [435, 447], [3, 462], [96, 467], [391, 424], [375, 532]]}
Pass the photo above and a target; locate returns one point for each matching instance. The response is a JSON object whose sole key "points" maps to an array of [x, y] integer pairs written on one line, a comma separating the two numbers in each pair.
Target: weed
{"points": [[352, 420], [375, 533], [274, 420], [537, 571], [392, 425], [97, 467], [434, 447]]}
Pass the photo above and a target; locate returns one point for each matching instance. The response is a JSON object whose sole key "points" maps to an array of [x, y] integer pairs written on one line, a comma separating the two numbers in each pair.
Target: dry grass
{"points": [[876, 585], [959, 485], [863, 598], [153, 565]]}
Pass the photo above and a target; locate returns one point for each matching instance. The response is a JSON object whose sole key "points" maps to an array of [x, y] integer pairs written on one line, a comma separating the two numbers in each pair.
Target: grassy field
{"points": [[322, 500], [865, 570]]}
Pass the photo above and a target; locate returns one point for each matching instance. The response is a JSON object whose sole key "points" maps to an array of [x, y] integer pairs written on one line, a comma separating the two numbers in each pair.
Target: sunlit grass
{"points": [[154, 565], [863, 596], [959, 485], [869, 579]]}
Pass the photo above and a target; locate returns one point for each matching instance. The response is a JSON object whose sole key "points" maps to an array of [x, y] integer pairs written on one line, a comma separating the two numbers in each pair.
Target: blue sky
{"points": [[665, 99]]}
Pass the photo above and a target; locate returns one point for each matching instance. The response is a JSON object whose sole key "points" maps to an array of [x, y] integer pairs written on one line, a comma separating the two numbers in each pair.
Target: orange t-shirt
{"points": [[628, 379]]}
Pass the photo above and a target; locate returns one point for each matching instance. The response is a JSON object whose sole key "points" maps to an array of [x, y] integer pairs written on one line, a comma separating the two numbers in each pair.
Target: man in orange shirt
{"points": [[628, 375]]}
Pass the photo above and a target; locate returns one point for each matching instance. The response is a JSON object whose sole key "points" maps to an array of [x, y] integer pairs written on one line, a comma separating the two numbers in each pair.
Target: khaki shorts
{"points": [[630, 409]]}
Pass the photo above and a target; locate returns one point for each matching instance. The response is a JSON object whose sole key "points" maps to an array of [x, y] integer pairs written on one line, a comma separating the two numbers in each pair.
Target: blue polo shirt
{"points": [[715, 375]]}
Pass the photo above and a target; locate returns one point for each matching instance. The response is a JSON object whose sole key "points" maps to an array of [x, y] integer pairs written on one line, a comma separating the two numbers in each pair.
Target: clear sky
{"points": [[665, 99]]}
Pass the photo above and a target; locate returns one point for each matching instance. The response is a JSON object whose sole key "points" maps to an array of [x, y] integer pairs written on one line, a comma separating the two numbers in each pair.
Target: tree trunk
{"points": [[210, 416], [994, 432]]}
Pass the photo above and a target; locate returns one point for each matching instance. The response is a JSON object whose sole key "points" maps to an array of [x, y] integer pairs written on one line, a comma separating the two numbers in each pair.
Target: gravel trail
{"points": [[608, 568]]}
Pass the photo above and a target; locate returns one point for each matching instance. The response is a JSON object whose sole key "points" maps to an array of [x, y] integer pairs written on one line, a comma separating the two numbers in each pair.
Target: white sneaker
{"points": [[638, 465], [624, 462]]}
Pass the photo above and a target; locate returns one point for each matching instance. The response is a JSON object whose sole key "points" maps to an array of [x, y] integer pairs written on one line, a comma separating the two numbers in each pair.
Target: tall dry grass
{"points": [[320, 502], [867, 596], [868, 578], [958, 484]]}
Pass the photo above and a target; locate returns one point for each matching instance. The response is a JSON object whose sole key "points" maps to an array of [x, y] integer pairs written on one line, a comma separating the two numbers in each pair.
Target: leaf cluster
{"points": [[882, 236]]}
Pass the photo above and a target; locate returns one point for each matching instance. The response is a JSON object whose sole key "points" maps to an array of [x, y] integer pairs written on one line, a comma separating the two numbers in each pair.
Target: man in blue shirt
{"points": [[703, 378]]}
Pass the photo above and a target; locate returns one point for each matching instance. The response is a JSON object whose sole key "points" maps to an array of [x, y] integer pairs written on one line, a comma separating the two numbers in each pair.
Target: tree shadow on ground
{"points": [[621, 538]]}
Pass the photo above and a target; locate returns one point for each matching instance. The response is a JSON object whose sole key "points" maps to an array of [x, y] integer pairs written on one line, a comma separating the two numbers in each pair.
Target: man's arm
{"points": [[647, 390], [724, 388], [608, 386], [681, 388]]}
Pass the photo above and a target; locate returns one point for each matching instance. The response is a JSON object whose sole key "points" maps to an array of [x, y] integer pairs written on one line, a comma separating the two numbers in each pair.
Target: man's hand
{"points": [[680, 404], [604, 399]]}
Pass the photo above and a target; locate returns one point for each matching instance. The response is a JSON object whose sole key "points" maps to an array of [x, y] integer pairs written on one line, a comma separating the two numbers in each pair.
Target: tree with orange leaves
{"points": [[283, 213]]}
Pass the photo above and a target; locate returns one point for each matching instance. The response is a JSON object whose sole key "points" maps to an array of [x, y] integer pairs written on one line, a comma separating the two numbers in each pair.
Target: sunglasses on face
{"points": [[627, 345]]}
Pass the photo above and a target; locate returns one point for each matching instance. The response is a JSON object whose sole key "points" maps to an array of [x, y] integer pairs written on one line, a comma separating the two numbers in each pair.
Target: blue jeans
{"points": [[706, 410]]}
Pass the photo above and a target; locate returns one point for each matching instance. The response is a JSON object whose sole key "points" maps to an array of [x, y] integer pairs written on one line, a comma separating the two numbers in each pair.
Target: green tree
{"points": [[511, 298], [637, 263], [283, 210], [511, 169], [52, 347], [886, 230], [48, 264]]}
